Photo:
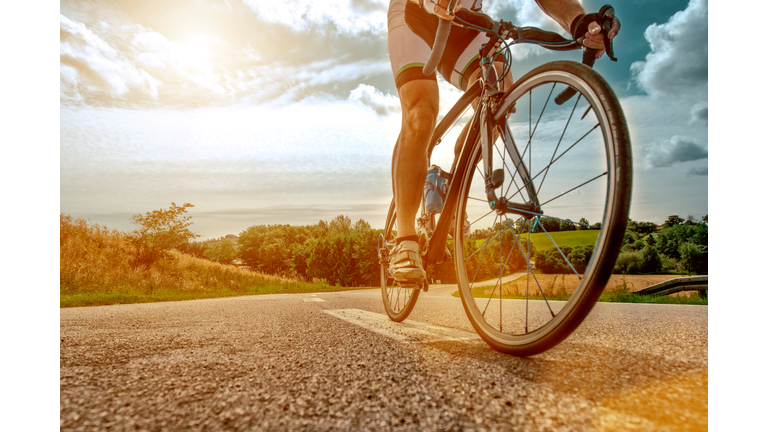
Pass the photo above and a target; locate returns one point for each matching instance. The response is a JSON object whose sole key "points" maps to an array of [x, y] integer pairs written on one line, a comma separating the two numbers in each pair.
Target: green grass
{"points": [[562, 238], [624, 296]]}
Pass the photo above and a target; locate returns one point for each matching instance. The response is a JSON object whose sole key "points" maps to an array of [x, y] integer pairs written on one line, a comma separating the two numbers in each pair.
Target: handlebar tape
{"points": [[443, 30]]}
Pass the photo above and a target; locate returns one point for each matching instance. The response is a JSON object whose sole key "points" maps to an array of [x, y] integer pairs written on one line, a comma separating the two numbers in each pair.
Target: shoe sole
{"points": [[414, 276]]}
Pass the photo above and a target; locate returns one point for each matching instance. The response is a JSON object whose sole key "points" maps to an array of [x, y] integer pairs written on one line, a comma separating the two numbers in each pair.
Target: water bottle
{"points": [[435, 189]]}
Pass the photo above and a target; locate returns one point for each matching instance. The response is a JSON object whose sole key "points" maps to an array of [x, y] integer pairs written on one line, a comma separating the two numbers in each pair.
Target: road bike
{"points": [[550, 151]]}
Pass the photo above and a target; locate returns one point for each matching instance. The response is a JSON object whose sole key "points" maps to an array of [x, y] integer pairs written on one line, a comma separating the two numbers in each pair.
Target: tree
{"points": [[651, 261], [692, 257], [583, 224], [567, 225], [341, 224], [159, 231], [673, 220], [223, 251]]}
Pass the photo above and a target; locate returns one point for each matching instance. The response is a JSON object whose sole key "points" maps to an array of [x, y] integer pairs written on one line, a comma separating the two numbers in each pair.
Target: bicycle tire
{"points": [[545, 317], [398, 301]]}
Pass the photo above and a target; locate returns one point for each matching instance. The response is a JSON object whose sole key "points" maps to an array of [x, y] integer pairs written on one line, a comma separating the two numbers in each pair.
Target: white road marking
{"points": [[313, 298], [406, 331]]}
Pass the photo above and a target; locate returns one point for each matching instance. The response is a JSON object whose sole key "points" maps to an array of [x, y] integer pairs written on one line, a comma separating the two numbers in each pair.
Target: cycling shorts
{"points": [[411, 34]]}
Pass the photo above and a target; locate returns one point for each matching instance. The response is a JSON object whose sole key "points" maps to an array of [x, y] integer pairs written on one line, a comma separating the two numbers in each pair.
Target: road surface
{"points": [[333, 361]]}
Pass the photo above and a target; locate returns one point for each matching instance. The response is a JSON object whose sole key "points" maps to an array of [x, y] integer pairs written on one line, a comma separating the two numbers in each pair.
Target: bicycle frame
{"points": [[482, 123]]}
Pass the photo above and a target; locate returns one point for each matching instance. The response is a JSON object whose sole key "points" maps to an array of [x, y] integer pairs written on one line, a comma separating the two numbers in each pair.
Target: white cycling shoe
{"points": [[405, 264]]}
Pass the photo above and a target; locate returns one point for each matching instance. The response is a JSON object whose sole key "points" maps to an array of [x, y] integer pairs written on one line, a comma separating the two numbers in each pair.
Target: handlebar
{"points": [[441, 37], [546, 39]]}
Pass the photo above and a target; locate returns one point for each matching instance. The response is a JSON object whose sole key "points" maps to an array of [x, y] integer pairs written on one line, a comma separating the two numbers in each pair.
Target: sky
{"points": [[286, 112]]}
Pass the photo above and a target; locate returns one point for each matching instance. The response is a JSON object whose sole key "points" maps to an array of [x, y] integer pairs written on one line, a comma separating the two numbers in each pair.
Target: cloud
{"points": [[366, 6], [300, 14], [678, 58], [372, 98], [88, 60], [678, 149], [127, 64], [701, 171], [699, 113]]}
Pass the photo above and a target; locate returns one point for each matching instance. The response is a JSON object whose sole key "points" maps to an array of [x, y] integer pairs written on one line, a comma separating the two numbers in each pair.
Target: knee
{"points": [[420, 119]]}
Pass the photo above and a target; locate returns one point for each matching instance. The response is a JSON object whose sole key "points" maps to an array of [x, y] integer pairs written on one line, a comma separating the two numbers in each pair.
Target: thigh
{"points": [[408, 52]]}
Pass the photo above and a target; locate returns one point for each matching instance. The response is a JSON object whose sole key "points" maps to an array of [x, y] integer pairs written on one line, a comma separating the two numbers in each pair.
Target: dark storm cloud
{"points": [[701, 171], [699, 113], [678, 149]]}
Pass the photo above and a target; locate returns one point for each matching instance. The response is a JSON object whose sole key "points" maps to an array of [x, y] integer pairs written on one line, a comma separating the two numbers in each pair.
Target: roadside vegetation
{"points": [[555, 287], [161, 261], [100, 266]]}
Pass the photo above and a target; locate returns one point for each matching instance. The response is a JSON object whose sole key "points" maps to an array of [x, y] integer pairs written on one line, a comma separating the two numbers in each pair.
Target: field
{"points": [[560, 286], [564, 238]]}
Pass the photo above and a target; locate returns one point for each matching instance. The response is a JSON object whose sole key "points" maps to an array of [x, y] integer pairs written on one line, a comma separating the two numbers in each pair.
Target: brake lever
{"points": [[607, 15], [605, 19]]}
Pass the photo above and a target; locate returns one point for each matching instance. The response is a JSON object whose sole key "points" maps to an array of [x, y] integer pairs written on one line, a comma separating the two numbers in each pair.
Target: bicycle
{"points": [[575, 162]]}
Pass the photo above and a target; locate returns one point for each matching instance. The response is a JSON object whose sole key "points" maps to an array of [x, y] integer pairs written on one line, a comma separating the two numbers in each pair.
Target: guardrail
{"points": [[692, 283]]}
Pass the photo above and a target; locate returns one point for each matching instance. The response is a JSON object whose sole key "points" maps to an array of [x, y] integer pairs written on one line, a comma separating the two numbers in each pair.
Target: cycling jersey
{"points": [[411, 34]]}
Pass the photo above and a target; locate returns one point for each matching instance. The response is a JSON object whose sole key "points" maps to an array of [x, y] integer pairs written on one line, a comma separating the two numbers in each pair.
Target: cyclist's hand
{"points": [[594, 37], [440, 8], [591, 29]]}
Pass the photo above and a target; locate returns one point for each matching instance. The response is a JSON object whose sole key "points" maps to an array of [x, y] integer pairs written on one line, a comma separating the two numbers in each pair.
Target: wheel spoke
{"points": [[554, 152], [567, 261], [561, 165], [574, 188]]}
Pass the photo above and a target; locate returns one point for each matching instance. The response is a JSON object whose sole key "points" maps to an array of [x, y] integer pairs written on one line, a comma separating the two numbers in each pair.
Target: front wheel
{"points": [[398, 300], [530, 272]]}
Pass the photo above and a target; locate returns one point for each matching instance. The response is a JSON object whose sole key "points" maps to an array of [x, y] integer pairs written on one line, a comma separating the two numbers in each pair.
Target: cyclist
{"points": [[412, 25]]}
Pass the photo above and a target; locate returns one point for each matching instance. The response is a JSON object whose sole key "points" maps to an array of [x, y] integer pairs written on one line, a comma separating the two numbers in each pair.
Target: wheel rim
{"points": [[572, 173]]}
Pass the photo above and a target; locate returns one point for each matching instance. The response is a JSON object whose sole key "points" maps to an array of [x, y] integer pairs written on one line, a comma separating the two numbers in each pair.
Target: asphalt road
{"points": [[333, 361]]}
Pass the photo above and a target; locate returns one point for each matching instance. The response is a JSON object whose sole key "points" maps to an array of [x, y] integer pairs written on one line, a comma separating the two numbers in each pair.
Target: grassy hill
{"points": [[96, 267], [564, 238]]}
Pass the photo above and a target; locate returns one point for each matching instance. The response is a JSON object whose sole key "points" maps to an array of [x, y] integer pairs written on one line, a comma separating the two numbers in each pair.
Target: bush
{"points": [[159, 232], [651, 261], [550, 261], [629, 262], [692, 258]]}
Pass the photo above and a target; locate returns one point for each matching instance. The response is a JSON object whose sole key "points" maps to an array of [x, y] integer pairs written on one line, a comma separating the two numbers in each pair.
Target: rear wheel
{"points": [[398, 300], [529, 275]]}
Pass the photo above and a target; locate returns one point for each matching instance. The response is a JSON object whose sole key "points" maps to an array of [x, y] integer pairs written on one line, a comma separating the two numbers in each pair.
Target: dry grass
{"points": [[96, 266], [555, 285]]}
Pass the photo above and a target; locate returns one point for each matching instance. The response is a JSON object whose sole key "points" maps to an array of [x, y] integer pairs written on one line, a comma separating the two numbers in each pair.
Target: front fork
{"points": [[494, 179]]}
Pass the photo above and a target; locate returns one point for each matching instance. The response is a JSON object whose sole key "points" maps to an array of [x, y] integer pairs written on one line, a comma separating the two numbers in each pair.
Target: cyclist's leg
{"points": [[419, 100]]}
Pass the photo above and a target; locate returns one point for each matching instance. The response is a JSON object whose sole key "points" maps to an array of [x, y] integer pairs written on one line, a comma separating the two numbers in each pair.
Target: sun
{"points": [[195, 50]]}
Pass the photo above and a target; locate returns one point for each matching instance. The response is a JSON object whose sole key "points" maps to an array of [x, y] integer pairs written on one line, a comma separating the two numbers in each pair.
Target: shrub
{"points": [[550, 261], [651, 261], [159, 232], [692, 258], [629, 262]]}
